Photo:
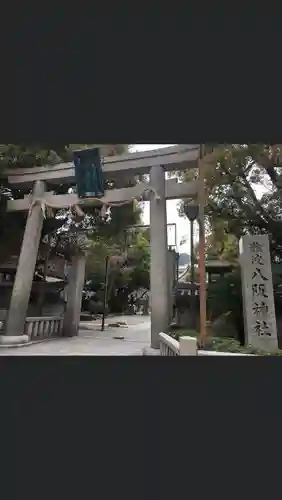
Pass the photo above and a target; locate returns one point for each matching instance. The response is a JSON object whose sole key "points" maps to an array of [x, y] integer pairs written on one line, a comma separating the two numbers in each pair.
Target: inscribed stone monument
{"points": [[257, 289]]}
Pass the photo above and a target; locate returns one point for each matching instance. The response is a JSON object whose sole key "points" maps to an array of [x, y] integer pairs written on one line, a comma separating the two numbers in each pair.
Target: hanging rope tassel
{"points": [[41, 202], [79, 213], [104, 211]]}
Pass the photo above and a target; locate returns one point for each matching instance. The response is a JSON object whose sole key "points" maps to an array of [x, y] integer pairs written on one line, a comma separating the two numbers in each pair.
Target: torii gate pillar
{"points": [[74, 295], [14, 328], [159, 276]]}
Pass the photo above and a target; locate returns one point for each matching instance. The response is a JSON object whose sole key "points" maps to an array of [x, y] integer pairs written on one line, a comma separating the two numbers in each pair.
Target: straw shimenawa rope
{"points": [[45, 204]]}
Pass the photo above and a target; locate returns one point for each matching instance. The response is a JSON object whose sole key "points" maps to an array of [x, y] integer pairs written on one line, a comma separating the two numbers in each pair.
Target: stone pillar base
{"points": [[150, 351], [13, 340]]}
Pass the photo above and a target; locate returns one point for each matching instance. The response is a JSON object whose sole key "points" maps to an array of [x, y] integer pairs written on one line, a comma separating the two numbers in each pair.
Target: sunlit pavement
{"points": [[93, 342]]}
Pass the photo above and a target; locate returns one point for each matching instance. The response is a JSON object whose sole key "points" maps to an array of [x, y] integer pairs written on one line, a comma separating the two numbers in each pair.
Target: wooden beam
{"points": [[179, 157], [174, 190]]}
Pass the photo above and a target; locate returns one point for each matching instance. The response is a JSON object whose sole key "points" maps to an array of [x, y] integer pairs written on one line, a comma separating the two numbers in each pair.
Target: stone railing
{"points": [[187, 346], [168, 345], [44, 327]]}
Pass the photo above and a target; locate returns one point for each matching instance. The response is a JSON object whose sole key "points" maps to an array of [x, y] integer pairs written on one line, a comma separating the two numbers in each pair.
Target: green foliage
{"points": [[235, 204], [231, 345], [224, 296], [140, 275], [30, 155], [176, 332], [220, 243], [223, 344], [129, 274], [224, 301]]}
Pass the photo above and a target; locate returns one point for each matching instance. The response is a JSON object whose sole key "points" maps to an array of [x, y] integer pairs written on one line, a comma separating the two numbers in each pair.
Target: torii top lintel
{"points": [[179, 157]]}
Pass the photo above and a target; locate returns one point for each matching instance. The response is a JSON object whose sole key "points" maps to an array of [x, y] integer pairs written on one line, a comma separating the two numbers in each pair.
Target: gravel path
{"points": [[91, 341]]}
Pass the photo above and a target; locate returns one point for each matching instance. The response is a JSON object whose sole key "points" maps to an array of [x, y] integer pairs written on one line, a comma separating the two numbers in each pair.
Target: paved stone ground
{"points": [[93, 342]]}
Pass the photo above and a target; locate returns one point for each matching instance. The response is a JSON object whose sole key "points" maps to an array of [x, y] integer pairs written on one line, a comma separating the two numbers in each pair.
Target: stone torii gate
{"points": [[40, 179]]}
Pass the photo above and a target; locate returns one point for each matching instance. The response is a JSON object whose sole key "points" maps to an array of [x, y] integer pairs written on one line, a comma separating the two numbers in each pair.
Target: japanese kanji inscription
{"points": [[257, 289]]}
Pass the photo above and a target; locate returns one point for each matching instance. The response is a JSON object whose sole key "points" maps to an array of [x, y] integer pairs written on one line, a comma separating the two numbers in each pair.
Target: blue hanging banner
{"points": [[88, 173]]}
